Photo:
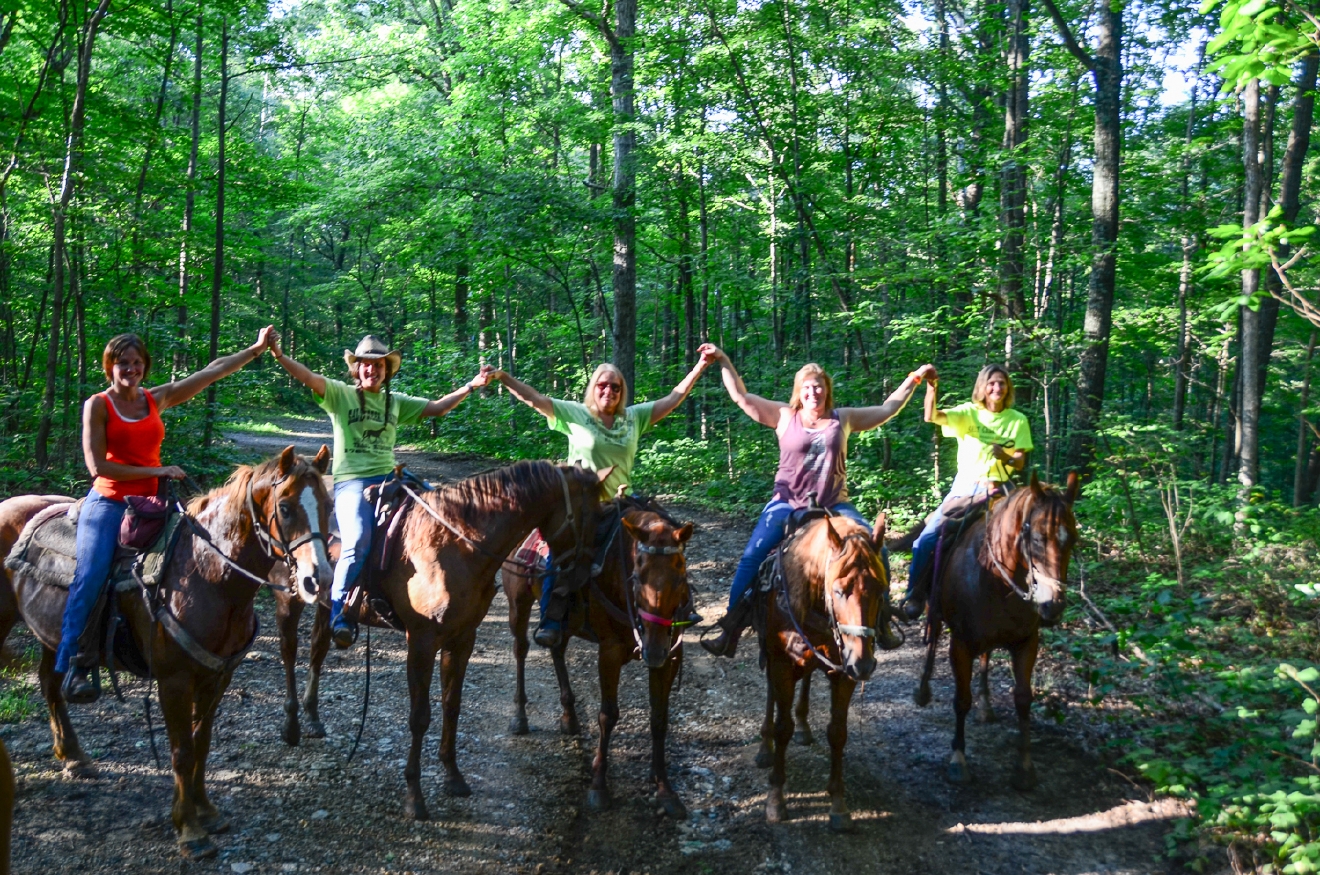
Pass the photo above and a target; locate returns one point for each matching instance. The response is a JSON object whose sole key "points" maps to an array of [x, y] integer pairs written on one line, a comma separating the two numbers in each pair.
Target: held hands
{"points": [[711, 354], [927, 373], [483, 377], [266, 339], [273, 341]]}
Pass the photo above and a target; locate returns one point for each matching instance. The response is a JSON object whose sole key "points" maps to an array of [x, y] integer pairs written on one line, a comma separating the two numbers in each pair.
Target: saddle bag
{"points": [[143, 521]]}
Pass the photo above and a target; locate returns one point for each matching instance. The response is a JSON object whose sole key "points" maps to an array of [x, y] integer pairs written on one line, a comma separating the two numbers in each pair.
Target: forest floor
{"points": [[305, 809]]}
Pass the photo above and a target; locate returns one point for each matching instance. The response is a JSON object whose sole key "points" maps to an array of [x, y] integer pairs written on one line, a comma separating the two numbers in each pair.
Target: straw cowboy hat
{"points": [[372, 347]]}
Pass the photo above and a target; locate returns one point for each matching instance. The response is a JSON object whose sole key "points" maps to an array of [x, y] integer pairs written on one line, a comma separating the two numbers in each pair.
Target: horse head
{"points": [[659, 581], [1045, 534], [854, 585], [291, 512]]}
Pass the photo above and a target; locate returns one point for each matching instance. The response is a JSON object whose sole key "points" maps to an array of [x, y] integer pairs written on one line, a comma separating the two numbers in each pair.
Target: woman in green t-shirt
{"points": [[364, 417], [602, 431], [993, 442]]}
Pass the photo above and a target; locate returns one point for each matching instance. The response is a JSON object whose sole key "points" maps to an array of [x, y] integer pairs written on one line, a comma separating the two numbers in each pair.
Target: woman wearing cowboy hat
{"points": [[365, 416]]}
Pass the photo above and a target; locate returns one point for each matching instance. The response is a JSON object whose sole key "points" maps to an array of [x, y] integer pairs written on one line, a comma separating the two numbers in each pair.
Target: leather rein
{"points": [[1022, 547]]}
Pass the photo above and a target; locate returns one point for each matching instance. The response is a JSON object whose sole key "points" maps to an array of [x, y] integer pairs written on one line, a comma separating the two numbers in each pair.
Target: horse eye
{"points": [[285, 509]]}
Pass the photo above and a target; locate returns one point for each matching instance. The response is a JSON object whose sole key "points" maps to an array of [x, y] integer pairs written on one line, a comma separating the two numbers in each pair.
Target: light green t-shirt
{"points": [[976, 429], [364, 444], [596, 446]]}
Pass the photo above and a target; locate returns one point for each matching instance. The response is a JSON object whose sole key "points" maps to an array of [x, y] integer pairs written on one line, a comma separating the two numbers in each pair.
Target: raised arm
{"points": [[866, 418], [174, 394], [761, 410], [538, 401], [297, 370], [94, 449], [933, 413], [667, 404], [441, 406]]}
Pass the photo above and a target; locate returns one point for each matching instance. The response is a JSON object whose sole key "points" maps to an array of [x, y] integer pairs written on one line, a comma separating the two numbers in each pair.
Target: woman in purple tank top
{"points": [[813, 453]]}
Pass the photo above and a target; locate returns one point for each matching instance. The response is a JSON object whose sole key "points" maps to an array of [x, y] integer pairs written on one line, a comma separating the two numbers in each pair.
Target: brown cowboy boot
{"points": [[884, 633], [731, 626]]}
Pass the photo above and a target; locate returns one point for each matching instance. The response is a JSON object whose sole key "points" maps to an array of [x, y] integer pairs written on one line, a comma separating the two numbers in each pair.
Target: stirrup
{"points": [[81, 686]]}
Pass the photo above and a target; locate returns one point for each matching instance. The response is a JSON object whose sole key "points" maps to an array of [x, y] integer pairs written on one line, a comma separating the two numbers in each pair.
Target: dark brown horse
{"points": [[822, 613], [202, 620], [633, 603], [1001, 582], [440, 580]]}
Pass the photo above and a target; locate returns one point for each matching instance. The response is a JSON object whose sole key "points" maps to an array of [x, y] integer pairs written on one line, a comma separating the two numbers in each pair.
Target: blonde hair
{"points": [[589, 394], [978, 391], [811, 369]]}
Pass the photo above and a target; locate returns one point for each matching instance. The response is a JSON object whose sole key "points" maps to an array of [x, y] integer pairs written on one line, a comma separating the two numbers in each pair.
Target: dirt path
{"points": [[306, 809]]}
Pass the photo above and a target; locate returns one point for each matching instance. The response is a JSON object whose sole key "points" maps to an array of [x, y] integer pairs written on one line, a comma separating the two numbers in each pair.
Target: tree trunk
{"points": [[180, 364], [218, 264], [1013, 174], [625, 190], [1249, 355], [72, 158]]}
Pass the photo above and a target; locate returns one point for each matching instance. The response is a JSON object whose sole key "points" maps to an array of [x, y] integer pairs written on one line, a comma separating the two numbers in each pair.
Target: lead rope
{"points": [[366, 698]]}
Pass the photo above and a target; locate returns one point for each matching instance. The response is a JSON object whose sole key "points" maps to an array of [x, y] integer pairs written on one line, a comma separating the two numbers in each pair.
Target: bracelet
{"points": [[915, 376]]}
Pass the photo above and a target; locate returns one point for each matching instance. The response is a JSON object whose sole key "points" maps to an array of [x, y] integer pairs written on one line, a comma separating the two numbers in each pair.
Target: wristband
{"points": [[915, 376]]}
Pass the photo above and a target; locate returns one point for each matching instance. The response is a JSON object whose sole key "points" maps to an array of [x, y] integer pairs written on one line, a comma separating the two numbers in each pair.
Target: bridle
{"points": [[630, 614], [1035, 577], [277, 546], [837, 629]]}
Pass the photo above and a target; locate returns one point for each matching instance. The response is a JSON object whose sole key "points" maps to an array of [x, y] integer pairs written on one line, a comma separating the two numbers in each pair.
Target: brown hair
{"points": [[589, 396], [811, 369], [120, 344], [978, 391]]}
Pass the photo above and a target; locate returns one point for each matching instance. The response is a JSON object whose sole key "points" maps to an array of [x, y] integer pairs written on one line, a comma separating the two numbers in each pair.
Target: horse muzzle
{"points": [[859, 662]]}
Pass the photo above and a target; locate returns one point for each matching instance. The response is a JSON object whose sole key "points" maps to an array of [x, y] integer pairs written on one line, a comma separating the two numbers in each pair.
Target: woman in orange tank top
{"points": [[122, 433]]}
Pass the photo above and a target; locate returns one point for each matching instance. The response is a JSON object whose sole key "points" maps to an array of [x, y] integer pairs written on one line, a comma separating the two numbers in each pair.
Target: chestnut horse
{"points": [[822, 612], [440, 580], [1001, 582], [288, 611], [632, 608], [202, 620]]}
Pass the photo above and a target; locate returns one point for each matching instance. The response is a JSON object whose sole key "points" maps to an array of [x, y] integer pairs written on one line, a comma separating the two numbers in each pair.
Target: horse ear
{"points": [[878, 530], [632, 529], [1074, 488], [322, 460], [1035, 482], [685, 532], [286, 461], [836, 542], [603, 474]]}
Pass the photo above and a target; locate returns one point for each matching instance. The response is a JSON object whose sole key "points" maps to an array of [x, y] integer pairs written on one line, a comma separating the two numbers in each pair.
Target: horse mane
{"points": [[467, 503], [809, 554], [235, 489]]}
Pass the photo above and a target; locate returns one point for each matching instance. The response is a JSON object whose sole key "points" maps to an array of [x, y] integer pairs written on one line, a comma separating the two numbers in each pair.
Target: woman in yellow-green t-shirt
{"points": [[993, 441]]}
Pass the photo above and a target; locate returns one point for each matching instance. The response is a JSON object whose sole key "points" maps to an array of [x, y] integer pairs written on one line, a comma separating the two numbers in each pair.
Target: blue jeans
{"points": [[923, 549], [767, 535], [98, 535], [356, 519]]}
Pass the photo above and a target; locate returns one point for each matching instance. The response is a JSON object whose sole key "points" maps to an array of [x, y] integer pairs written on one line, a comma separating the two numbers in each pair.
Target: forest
{"points": [[1114, 199]]}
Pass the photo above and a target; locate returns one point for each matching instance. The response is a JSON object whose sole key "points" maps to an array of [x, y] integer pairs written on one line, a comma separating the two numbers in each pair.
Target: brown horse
{"points": [[822, 613], [634, 600], [440, 580], [288, 611], [1002, 581], [201, 621]]}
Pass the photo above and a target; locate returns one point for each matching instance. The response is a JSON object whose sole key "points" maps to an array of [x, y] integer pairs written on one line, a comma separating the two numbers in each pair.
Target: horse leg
{"points": [[288, 611], [779, 678], [610, 664], [176, 705], [985, 712], [68, 750], [317, 650], [841, 693], [1024, 662], [208, 701], [519, 594], [960, 659], [453, 668], [422, 648], [803, 733], [765, 754], [922, 694], [568, 719], [662, 683]]}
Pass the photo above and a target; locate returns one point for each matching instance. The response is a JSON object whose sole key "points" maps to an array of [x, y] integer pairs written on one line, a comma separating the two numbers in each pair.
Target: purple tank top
{"points": [[813, 461]]}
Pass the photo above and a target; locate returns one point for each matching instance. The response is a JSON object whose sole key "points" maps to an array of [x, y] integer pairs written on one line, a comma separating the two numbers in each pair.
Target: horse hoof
{"points": [[1024, 780], [217, 825], [518, 725], [198, 849], [764, 757], [842, 823], [803, 737], [598, 800], [415, 809], [987, 715], [672, 806], [314, 729], [80, 769], [775, 810], [921, 696], [457, 787], [958, 774], [568, 725], [291, 735]]}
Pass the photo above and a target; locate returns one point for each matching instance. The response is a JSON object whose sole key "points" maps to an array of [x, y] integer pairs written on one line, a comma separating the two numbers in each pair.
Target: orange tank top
{"points": [[133, 442]]}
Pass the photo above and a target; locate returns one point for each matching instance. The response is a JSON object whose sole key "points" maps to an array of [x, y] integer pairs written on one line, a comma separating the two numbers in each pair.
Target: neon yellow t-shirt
{"points": [[364, 444], [976, 429], [598, 447]]}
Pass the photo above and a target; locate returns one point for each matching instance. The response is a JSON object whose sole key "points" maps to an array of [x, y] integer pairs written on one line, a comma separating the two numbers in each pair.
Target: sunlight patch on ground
{"points": [[1127, 814]]}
